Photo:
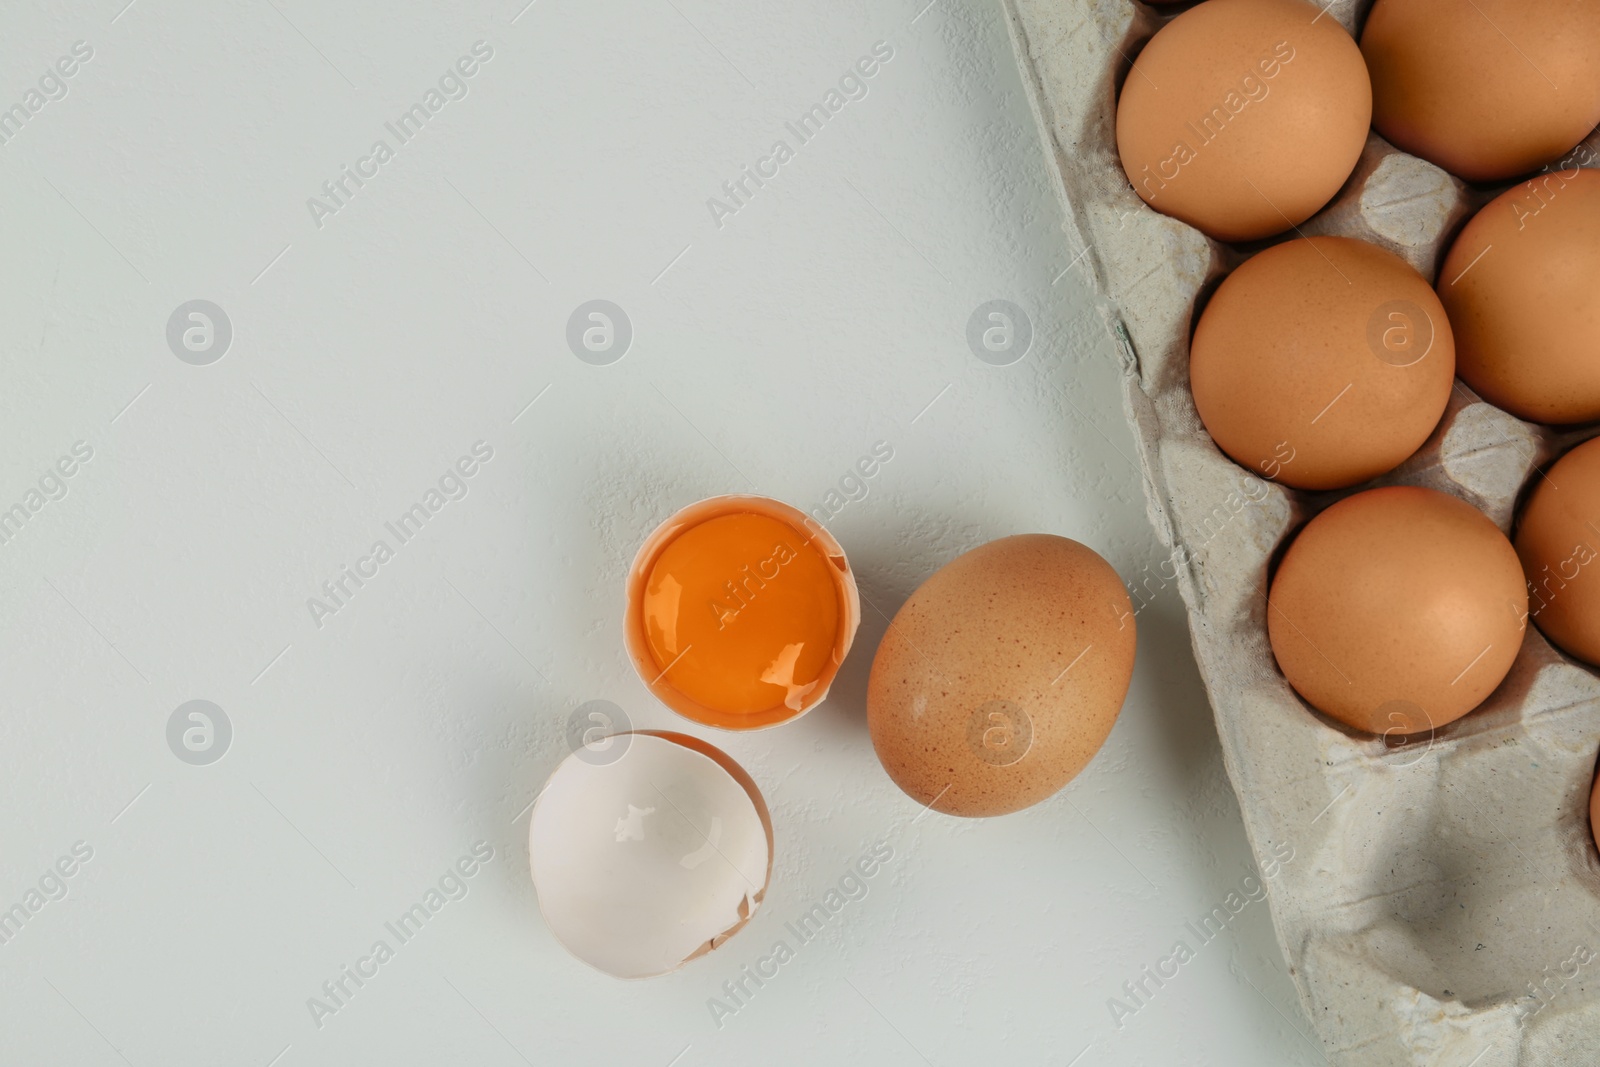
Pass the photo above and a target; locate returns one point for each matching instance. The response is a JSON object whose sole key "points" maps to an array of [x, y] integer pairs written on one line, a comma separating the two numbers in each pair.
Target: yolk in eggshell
{"points": [[741, 612]]}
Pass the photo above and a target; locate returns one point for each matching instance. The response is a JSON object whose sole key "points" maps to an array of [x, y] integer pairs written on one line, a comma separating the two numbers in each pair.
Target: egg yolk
{"points": [[741, 612]]}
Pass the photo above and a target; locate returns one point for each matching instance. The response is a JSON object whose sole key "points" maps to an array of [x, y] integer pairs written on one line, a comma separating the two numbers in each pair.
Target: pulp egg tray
{"points": [[1442, 906]]}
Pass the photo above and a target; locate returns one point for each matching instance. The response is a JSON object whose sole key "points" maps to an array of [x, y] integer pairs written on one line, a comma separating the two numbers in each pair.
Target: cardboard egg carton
{"points": [[1443, 904]]}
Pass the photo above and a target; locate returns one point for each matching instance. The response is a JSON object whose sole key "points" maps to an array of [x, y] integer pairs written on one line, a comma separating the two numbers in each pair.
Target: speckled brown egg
{"points": [[1243, 117], [1397, 610], [1486, 89], [1522, 288], [1558, 540], [1322, 362], [1002, 676]]}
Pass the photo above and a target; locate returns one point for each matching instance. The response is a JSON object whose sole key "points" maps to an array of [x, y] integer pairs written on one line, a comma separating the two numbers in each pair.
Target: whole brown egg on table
{"points": [[1002, 675]]}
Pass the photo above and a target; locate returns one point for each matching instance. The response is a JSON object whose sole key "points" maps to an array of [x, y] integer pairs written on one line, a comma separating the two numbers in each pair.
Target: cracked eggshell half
{"points": [[740, 611], [651, 859]]}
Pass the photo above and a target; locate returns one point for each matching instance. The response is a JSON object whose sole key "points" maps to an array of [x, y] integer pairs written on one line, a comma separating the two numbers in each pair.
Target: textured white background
{"points": [[369, 354]]}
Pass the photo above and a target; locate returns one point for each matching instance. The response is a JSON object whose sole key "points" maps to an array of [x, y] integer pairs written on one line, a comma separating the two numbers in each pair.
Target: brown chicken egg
{"points": [[1243, 117], [1594, 812], [1002, 675], [1397, 610], [1558, 540], [1522, 288], [1322, 362], [1486, 89]]}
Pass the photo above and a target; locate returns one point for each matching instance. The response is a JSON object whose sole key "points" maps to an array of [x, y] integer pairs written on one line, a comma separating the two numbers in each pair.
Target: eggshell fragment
{"points": [[656, 675], [647, 861], [1002, 675]]}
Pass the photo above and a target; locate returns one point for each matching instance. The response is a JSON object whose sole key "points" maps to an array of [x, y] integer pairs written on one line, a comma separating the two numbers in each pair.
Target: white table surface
{"points": [[368, 353]]}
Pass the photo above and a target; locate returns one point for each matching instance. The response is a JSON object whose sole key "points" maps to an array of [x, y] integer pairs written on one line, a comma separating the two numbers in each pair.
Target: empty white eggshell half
{"points": [[647, 860]]}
